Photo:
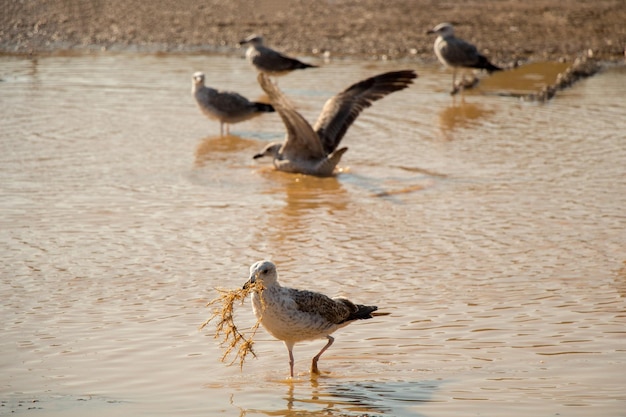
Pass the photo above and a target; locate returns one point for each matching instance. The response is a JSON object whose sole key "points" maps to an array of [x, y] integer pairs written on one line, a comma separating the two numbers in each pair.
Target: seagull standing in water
{"points": [[294, 315], [313, 150], [457, 53], [269, 61], [226, 106]]}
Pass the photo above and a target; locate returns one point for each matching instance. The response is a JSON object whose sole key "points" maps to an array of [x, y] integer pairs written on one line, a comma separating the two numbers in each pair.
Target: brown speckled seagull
{"points": [[313, 150], [226, 106], [269, 61], [294, 315]]}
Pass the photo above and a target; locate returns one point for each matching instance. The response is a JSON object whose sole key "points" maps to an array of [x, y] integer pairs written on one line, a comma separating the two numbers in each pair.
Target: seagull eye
{"points": [[264, 271]]}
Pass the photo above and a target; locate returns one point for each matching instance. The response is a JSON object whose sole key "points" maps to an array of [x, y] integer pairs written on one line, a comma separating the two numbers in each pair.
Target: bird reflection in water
{"points": [[304, 192], [459, 115], [328, 398], [304, 198], [222, 148]]}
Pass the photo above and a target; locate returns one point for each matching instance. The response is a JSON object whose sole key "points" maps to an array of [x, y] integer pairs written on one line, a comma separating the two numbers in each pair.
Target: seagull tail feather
{"points": [[263, 107], [483, 63], [361, 312], [304, 65]]}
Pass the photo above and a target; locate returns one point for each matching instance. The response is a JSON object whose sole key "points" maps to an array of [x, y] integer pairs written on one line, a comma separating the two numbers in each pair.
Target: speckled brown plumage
{"points": [[293, 315]]}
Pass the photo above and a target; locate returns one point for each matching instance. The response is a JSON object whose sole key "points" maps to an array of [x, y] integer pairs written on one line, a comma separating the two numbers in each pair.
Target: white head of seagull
{"points": [[263, 272], [445, 30], [314, 150], [293, 315], [198, 78], [254, 40]]}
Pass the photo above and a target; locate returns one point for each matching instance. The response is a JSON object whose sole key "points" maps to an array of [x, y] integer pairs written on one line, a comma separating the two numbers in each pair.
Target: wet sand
{"points": [[508, 31]]}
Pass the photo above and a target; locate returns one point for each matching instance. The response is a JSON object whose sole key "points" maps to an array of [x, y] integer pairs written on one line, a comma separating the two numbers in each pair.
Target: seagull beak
{"points": [[430, 32], [257, 156], [249, 282], [243, 42]]}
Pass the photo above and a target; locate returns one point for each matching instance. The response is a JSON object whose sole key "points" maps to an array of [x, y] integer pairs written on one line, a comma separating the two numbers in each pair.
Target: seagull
{"points": [[226, 106], [313, 150], [457, 53], [269, 61], [293, 315]]}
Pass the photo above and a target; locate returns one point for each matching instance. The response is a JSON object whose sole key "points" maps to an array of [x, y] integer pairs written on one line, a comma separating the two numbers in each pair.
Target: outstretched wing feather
{"points": [[341, 111], [301, 142]]}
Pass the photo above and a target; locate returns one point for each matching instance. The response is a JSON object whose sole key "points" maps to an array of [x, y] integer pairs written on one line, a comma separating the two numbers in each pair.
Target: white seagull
{"points": [[269, 61], [313, 150], [294, 315], [456, 53], [226, 106]]}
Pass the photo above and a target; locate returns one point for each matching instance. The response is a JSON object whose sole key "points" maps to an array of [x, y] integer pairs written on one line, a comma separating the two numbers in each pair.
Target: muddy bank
{"points": [[506, 30]]}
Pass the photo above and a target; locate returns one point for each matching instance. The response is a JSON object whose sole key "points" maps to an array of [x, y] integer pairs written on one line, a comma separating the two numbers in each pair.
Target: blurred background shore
{"points": [[507, 31]]}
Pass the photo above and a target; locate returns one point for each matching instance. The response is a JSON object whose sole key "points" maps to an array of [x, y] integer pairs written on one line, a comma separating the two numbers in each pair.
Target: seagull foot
{"points": [[314, 369]]}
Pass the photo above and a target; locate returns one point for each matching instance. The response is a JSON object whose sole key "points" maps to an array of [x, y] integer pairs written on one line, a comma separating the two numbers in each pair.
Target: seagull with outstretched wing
{"points": [[314, 150]]}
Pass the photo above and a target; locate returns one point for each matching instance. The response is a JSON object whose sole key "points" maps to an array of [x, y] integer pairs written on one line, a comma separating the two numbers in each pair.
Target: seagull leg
{"points": [[291, 360], [314, 369], [454, 87]]}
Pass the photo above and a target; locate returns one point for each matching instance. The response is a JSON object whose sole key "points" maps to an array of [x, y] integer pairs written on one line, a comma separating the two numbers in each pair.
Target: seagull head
{"points": [[442, 29], [273, 150], [262, 272], [254, 40], [198, 78]]}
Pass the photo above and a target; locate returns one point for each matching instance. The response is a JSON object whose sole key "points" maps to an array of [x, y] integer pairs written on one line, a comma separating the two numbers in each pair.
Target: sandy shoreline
{"points": [[507, 31]]}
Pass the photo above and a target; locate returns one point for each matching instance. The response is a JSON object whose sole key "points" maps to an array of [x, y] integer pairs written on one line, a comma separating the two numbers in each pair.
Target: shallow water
{"points": [[492, 230]]}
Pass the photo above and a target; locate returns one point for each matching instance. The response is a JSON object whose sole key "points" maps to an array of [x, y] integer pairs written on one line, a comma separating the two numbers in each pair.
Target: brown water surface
{"points": [[493, 231]]}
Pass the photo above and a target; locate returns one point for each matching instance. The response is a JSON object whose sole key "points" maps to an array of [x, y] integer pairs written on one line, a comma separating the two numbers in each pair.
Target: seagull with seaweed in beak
{"points": [[293, 315]]}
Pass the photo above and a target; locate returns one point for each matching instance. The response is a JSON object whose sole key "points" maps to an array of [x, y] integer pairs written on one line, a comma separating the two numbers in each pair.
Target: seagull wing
{"points": [[272, 60], [341, 111], [302, 142], [334, 311], [459, 52], [231, 103]]}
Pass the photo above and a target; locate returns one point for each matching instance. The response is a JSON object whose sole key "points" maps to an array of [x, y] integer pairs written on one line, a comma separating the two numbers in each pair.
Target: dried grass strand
{"points": [[232, 339]]}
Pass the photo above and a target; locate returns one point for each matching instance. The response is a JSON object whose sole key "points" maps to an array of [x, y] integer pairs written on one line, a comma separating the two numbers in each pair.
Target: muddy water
{"points": [[492, 230]]}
